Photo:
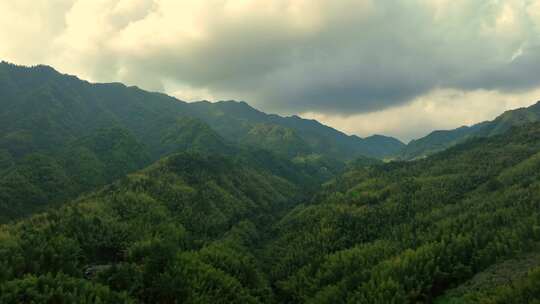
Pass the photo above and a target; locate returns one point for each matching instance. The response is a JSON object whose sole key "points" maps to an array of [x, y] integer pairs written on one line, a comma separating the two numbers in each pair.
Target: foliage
{"points": [[59, 289], [179, 229], [40, 180], [214, 222], [440, 140], [406, 232], [202, 228]]}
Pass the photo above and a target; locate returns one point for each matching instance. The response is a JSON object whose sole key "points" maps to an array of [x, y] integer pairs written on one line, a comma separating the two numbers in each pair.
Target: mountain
{"points": [[191, 212], [44, 108], [41, 179], [61, 136], [276, 138], [439, 140], [243, 228], [46, 118], [110, 194], [179, 229], [383, 145], [408, 232], [236, 120]]}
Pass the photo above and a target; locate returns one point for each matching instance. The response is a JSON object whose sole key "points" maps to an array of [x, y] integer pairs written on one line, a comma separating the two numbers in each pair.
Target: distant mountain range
{"points": [[43, 104], [238, 121], [61, 136], [438, 141], [111, 194], [206, 228], [44, 109]]}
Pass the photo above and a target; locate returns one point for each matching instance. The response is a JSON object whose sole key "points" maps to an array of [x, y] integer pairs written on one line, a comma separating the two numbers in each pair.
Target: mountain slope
{"points": [[40, 179], [236, 119], [515, 280], [405, 232], [239, 215], [239, 229], [179, 229], [44, 108], [276, 138], [61, 136], [440, 140]]}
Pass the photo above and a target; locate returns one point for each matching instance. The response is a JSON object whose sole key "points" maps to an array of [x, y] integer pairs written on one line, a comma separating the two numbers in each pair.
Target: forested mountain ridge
{"points": [[137, 197], [405, 232], [437, 141], [238, 119], [206, 228], [186, 227], [43, 179], [60, 136], [42, 103], [49, 119], [43, 110]]}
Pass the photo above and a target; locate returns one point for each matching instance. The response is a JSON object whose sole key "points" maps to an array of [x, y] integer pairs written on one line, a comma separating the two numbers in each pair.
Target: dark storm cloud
{"points": [[342, 57], [518, 74]]}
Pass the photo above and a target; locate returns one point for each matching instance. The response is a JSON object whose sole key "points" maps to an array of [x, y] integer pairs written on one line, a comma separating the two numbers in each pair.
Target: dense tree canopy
{"points": [[201, 228], [107, 203], [439, 140]]}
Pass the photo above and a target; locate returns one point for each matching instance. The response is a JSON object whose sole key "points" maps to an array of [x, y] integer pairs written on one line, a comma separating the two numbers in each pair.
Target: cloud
{"points": [[441, 109], [289, 56]]}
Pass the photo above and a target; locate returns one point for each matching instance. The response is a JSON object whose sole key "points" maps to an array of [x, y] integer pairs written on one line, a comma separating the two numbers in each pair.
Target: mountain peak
{"points": [[43, 67], [442, 139], [232, 102], [38, 67], [132, 107]]}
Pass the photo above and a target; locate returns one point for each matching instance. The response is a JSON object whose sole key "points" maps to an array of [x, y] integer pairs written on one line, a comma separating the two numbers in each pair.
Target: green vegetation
{"points": [[179, 229], [44, 179], [282, 140], [407, 232], [43, 109], [499, 283], [138, 202], [199, 228], [61, 136], [440, 140], [58, 288], [238, 121]]}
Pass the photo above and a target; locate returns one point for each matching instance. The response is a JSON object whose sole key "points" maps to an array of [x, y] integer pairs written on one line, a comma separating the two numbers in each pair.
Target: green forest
{"points": [[110, 194]]}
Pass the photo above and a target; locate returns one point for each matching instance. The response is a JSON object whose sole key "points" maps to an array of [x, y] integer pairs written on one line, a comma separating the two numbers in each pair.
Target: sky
{"points": [[395, 67]]}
